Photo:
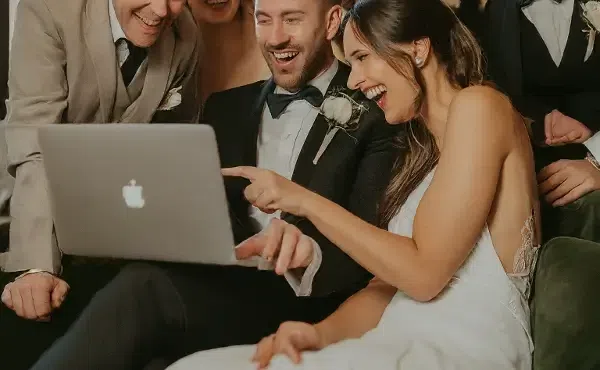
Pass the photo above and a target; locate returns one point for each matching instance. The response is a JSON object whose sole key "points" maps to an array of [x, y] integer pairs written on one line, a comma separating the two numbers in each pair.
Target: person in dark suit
{"points": [[538, 54], [305, 125]]}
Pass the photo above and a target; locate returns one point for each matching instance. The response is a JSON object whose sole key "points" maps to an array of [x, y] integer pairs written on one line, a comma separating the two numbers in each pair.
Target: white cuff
{"points": [[301, 280], [32, 271], [593, 145]]}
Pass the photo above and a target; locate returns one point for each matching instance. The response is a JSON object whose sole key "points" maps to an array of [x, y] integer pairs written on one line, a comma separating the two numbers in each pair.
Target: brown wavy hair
{"points": [[383, 24]]}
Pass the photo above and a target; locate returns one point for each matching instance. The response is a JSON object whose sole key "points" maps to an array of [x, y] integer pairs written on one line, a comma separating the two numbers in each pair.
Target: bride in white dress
{"points": [[452, 274]]}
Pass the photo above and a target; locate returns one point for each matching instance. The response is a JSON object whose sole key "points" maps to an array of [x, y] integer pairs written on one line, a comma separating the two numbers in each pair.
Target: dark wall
{"points": [[4, 30], [470, 13]]}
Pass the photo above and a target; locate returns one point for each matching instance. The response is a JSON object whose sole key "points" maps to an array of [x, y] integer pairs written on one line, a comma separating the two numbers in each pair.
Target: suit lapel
{"points": [[304, 165], [252, 125], [156, 83], [101, 47]]}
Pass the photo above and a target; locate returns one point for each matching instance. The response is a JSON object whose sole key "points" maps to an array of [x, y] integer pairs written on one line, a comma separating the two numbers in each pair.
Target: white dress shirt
{"points": [[118, 36], [280, 141], [593, 145], [553, 22]]}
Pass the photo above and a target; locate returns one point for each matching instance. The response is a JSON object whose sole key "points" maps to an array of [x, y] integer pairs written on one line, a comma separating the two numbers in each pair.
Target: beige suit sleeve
{"points": [[37, 96]]}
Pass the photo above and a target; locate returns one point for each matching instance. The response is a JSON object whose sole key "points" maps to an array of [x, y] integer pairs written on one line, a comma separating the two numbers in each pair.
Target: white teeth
{"points": [[375, 91], [215, 2], [149, 22], [289, 54]]}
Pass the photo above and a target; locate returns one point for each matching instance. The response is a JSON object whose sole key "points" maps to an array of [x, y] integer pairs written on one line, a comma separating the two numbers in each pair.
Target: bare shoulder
{"points": [[483, 110], [482, 102]]}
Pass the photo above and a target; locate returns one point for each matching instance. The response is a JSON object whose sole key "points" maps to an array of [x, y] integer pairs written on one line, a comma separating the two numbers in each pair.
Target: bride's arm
{"points": [[364, 310], [451, 215]]}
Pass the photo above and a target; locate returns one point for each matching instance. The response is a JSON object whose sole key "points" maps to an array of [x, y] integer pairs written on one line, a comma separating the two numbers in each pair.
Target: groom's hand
{"points": [[35, 296], [561, 129], [280, 243]]}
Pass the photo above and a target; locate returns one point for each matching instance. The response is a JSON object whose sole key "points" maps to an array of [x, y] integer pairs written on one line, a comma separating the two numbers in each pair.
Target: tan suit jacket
{"points": [[64, 69]]}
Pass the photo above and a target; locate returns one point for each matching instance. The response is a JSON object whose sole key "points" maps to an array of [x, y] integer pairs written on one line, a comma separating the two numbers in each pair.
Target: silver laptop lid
{"points": [[138, 191]]}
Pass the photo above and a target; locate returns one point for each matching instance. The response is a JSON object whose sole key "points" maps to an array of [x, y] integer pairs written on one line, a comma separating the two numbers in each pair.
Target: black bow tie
{"points": [[278, 102], [524, 3]]}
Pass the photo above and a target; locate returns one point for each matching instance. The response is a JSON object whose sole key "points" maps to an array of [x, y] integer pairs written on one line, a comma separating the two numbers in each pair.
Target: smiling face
{"points": [[394, 92], [295, 38], [143, 21]]}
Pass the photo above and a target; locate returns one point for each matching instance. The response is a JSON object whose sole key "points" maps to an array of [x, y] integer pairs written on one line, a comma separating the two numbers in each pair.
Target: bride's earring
{"points": [[419, 62]]}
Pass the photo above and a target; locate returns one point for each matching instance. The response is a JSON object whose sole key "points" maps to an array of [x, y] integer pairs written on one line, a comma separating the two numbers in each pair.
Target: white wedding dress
{"points": [[480, 322]]}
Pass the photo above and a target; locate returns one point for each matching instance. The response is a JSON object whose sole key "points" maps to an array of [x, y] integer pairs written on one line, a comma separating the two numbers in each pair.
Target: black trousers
{"points": [[23, 341], [148, 312]]}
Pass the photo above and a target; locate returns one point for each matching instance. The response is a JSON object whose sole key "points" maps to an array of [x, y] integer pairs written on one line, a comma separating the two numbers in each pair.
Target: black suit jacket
{"points": [[502, 46], [353, 171]]}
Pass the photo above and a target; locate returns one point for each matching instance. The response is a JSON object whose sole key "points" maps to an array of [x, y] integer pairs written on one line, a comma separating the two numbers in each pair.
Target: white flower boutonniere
{"points": [[591, 16], [171, 99], [341, 112]]}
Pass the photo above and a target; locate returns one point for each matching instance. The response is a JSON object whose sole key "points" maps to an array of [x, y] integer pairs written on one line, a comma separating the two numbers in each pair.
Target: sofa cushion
{"points": [[566, 305]]}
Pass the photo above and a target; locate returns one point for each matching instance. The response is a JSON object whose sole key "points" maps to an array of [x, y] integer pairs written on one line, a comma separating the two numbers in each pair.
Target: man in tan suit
{"points": [[78, 61]]}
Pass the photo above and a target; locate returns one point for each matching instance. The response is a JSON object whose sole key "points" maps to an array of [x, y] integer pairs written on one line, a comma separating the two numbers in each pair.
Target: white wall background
{"points": [[11, 16]]}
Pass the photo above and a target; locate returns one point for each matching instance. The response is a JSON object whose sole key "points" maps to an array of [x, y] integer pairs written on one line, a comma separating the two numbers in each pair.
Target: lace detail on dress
{"points": [[526, 257]]}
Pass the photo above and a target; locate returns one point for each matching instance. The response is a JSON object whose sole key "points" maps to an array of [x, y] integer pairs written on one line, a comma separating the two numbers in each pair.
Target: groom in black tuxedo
{"points": [[283, 125]]}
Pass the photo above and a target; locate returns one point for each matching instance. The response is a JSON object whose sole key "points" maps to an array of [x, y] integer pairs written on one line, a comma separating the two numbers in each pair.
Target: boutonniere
{"points": [[591, 16], [171, 99], [341, 112]]}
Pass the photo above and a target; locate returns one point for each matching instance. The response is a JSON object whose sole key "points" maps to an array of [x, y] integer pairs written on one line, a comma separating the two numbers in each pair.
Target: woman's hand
{"points": [[271, 192], [281, 243], [291, 339]]}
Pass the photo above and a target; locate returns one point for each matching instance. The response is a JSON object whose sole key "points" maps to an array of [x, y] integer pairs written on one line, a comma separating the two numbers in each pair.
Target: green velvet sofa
{"points": [[566, 305]]}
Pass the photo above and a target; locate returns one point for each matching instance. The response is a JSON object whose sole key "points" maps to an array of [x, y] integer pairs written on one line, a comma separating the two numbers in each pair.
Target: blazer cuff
{"points": [[301, 280], [593, 145], [14, 262]]}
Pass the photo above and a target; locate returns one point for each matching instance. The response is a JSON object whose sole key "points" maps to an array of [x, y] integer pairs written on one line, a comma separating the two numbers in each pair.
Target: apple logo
{"points": [[132, 194]]}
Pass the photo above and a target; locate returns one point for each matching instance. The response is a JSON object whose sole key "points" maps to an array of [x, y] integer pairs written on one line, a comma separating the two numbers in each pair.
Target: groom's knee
{"points": [[138, 277], [140, 288]]}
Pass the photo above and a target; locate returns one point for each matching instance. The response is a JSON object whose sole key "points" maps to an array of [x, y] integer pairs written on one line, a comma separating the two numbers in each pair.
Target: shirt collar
{"points": [[115, 26], [321, 82]]}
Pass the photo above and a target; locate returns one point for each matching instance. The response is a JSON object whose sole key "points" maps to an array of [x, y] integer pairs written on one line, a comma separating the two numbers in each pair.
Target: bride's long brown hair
{"points": [[383, 24]]}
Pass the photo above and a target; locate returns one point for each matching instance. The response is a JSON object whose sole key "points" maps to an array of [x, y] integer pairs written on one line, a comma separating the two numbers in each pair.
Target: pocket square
{"points": [[171, 100]]}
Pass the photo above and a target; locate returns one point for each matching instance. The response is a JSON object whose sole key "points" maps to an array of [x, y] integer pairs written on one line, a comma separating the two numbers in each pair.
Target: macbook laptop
{"points": [[138, 191]]}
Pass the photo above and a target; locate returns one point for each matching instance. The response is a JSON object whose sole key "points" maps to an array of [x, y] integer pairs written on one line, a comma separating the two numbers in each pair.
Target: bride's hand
{"points": [[291, 339], [269, 191]]}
